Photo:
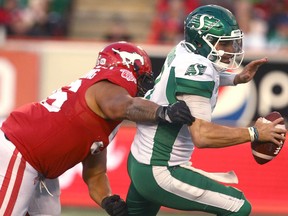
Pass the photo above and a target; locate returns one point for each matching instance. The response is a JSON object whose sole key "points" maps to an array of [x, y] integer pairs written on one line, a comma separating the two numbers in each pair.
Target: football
{"points": [[264, 152]]}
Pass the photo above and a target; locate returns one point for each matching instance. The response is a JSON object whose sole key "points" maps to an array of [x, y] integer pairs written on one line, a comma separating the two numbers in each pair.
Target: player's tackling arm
{"points": [[114, 102], [111, 101]]}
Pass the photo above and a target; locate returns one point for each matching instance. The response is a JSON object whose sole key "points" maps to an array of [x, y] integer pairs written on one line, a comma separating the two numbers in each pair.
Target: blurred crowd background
{"points": [[264, 22]]}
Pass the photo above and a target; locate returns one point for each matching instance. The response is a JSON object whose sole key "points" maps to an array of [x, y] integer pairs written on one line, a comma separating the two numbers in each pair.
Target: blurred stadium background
{"points": [[45, 44]]}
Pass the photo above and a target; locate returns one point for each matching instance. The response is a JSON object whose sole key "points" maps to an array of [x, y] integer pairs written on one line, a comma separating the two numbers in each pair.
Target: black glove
{"points": [[114, 205], [177, 113]]}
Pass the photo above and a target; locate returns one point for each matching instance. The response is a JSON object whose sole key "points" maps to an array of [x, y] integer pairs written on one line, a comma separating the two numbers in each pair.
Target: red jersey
{"points": [[59, 132]]}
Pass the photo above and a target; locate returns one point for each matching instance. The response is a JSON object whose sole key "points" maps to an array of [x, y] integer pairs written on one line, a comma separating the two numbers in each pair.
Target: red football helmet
{"points": [[131, 57]]}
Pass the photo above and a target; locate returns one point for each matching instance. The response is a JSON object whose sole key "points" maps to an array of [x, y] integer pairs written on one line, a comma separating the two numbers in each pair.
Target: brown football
{"points": [[264, 152]]}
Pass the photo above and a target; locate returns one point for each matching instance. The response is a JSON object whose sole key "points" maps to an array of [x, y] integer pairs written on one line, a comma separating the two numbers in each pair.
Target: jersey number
{"points": [[55, 101]]}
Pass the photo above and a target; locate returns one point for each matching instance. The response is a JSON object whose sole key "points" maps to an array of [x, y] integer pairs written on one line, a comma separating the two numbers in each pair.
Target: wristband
{"points": [[253, 132]]}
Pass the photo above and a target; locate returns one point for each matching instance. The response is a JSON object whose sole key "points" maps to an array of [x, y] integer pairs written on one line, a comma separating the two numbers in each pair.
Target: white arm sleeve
{"points": [[200, 107], [227, 79]]}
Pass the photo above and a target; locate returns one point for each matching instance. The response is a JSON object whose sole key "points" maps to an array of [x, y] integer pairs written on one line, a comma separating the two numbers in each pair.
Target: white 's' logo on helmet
{"points": [[200, 19], [129, 58]]}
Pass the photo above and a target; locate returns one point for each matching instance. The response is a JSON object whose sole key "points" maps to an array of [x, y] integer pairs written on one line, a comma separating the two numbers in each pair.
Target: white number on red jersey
{"points": [[54, 102]]}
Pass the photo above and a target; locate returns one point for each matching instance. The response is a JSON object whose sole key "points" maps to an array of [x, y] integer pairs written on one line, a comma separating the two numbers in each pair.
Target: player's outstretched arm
{"points": [[249, 71], [209, 135]]}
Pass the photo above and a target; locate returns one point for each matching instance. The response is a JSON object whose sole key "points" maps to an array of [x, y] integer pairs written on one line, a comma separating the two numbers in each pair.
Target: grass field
{"points": [[71, 211], [93, 212]]}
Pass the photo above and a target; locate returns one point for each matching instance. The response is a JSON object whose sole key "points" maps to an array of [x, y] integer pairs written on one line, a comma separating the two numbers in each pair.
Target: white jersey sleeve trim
{"points": [[200, 107]]}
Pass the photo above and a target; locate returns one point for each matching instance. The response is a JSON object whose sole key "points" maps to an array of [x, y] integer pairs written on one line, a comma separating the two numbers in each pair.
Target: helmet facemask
{"points": [[216, 56], [145, 82]]}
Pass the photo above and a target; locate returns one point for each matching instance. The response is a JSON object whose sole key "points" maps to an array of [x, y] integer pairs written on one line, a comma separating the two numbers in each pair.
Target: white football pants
{"points": [[20, 186]]}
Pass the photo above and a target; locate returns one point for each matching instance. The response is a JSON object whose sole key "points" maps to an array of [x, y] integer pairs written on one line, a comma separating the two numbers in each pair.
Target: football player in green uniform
{"points": [[159, 163]]}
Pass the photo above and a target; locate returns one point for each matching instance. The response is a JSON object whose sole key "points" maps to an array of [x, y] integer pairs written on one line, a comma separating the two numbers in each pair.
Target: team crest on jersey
{"points": [[129, 58], [195, 69], [128, 75], [202, 22]]}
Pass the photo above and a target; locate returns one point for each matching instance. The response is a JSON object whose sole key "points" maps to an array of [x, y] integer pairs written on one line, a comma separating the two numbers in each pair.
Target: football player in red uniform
{"points": [[75, 124]]}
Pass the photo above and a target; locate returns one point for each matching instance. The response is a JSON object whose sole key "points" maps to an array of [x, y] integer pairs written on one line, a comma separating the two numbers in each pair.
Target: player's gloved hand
{"points": [[177, 112], [114, 205]]}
